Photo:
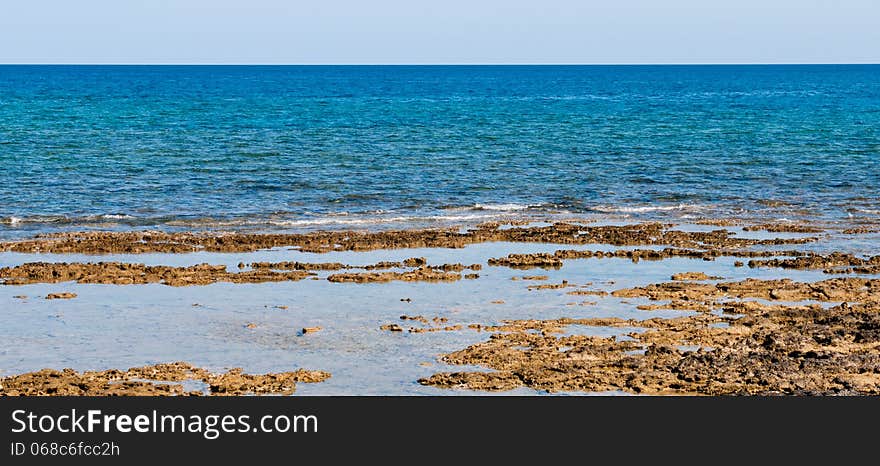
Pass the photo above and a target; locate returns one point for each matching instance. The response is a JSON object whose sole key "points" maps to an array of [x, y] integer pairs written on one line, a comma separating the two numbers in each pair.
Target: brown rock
{"points": [[160, 379], [693, 276]]}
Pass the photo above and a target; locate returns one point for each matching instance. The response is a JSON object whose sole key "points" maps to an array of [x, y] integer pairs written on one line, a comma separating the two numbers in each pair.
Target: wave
{"points": [[511, 207], [496, 207], [645, 209], [256, 221], [77, 220], [320, 221]]}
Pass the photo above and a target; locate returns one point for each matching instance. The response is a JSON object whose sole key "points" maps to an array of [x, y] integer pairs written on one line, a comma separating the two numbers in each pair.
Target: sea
{"points": [[271, 148]]}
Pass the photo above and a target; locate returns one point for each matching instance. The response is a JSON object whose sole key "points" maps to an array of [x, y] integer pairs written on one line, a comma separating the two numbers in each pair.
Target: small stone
{"points": [[64, 295], [306, 330]]}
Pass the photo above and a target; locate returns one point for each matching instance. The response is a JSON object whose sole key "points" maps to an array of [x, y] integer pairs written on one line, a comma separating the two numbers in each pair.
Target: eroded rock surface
{"points": [[159, 379]]}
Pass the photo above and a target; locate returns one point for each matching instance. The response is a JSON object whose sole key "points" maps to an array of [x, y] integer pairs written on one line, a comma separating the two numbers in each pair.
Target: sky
{"points": [[439, 31]]}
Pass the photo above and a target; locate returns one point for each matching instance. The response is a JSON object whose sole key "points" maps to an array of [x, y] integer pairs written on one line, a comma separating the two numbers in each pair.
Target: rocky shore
{"points": [[726, 337]]}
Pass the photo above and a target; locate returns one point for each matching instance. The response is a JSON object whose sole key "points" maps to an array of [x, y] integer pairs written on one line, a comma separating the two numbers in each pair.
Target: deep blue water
{"points": [[270, 146]]}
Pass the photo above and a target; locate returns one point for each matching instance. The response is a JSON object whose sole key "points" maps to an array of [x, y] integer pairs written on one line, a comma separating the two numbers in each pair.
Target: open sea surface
{"points": [[311, 147]]}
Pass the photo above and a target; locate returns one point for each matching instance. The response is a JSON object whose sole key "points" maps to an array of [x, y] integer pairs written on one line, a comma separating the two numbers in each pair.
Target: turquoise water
{"points": [[323, 146]]}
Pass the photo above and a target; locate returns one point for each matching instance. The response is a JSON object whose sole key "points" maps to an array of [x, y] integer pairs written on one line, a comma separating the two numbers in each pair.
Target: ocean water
{"points": [[300, 147]]}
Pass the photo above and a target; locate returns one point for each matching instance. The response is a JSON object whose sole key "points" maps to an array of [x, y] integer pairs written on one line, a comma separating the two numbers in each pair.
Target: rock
{"points": [[139, 242], [118, 273], [693, 276], [420, 274], [415, 262], [159, 379]]}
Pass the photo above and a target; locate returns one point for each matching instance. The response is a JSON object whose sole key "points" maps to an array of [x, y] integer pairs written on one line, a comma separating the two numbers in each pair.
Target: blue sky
{"points": [[440, 31]]}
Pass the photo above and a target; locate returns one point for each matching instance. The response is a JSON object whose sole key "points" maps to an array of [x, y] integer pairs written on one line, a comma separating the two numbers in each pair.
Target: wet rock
{"points": [[550, 286], [139, 242], [298, 266], [587, 293], [159, 379], [527, 261], [831, 263], [421, 319], [448, 328], [384, 265], [770, 349], [421, 274], [836, 289], [415, 262], [64, 295], [861, 230], [783, 227], [693, 276], [118, 273]]}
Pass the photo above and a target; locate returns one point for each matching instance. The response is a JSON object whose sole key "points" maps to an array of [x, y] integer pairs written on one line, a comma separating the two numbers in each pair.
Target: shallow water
{"points": [[111, 326]]}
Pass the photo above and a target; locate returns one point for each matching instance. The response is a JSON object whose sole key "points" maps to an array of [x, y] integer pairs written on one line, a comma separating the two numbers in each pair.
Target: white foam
{"points": [[504, 207], [643, 209], [329, 220]]}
